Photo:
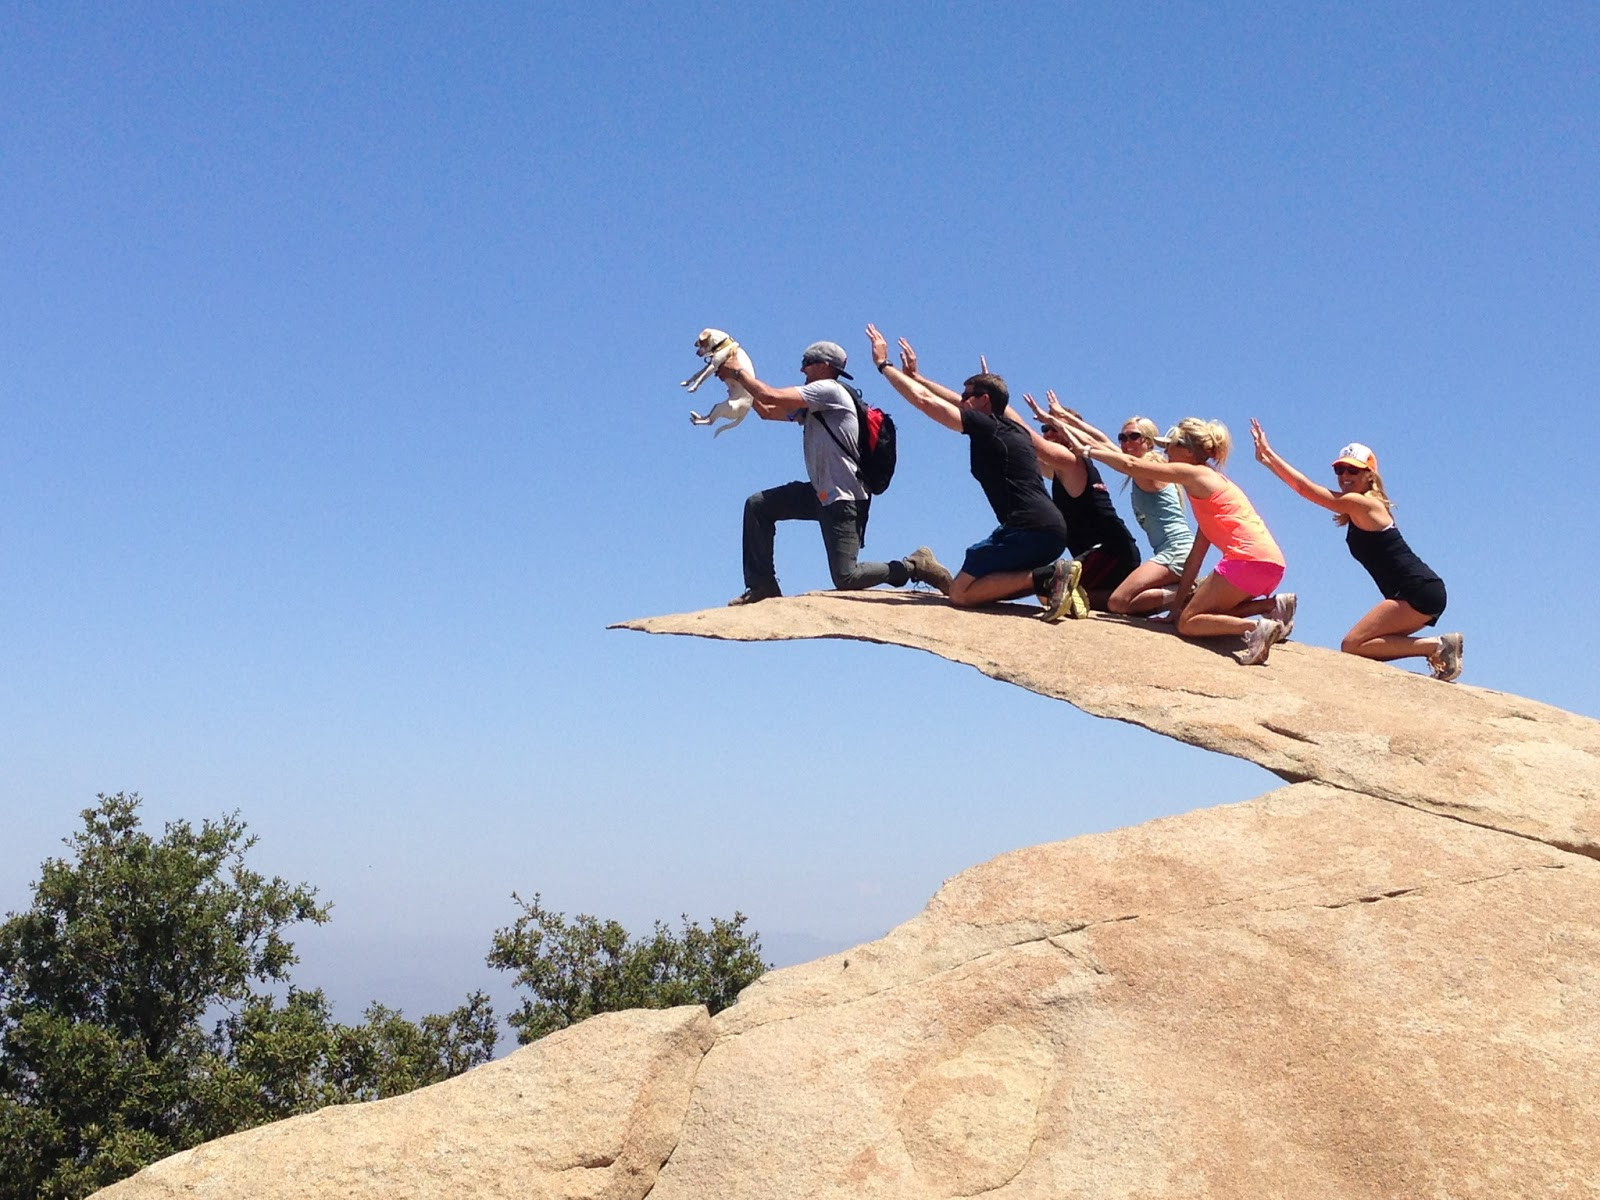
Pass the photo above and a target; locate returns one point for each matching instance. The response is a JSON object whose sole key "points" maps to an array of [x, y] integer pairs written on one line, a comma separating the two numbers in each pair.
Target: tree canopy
{"points": [[579, 967], [107, 982], [146, 1004]]}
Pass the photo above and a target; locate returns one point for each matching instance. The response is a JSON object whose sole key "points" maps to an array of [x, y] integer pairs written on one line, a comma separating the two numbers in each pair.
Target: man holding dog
{"points": [[832, 495], [1020, 557]]}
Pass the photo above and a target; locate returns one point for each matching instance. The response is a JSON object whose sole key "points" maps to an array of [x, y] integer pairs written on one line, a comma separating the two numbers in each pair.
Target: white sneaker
{"points": [[1283, 606], [1446, 663], [1258, 640]]}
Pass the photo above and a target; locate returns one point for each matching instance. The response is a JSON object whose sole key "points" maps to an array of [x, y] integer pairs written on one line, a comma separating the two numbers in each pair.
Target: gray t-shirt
{"points": [[832, 471]]}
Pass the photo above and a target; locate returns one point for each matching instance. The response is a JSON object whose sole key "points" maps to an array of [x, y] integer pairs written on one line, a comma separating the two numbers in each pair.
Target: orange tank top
{"points": [[1232, 525]]}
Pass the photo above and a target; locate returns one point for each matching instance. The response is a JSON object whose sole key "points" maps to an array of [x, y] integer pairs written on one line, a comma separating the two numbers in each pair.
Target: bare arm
{"points": [[1058, 458], [1355, 505], [770, 403], [1082, 426], [1191, 570], [908, 363], [1192, 477], [942, 405]]}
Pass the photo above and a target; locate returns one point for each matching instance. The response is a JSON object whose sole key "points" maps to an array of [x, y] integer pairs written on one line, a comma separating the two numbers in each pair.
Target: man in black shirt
{"points": [[1020, 557]]}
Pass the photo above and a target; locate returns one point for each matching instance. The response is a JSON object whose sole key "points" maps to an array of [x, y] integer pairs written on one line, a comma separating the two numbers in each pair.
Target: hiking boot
{"points": [[1446, 663], [925, 568], [1063, 586], [752, 595], [1258, 641], [1283, 606]]}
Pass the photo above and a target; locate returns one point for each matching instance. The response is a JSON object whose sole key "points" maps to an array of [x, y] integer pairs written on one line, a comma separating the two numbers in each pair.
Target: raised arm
{"points": [[1082, 426], [937, 404], [1201, 480], [1351, 504], [908, 363], [1058, 458]]}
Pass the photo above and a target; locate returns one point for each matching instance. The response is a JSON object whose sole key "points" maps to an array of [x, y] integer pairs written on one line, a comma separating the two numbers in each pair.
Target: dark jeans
{"points": [[843, 523]]}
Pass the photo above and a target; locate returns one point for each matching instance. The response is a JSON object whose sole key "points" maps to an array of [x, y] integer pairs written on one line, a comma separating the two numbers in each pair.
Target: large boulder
{"points": [[1381, 980]]}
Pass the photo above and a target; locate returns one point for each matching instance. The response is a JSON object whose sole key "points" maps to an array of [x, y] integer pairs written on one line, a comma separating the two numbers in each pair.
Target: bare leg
{"points": [[1149, 589], [1218, 609], [968, 591], [1381, 634]]}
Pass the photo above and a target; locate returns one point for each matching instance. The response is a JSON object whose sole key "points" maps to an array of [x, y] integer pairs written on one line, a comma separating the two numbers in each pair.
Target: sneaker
{"points": [[1079, 608], [925, 568], [753, 595], [1283, 606], [1258, 641], [1446, 663], [1063, 585]]}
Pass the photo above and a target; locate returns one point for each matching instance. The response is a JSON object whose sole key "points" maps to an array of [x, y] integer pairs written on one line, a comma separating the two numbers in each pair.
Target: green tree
{"points": [[106, 985], [583, 966]]}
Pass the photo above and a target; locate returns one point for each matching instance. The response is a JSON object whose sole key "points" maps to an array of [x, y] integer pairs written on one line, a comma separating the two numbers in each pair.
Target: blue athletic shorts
{"points": [[1012, 550]]}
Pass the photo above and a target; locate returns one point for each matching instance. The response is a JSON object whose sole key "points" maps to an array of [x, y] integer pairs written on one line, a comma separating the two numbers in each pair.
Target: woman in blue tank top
{"points": [[1413, 596], [1152, 586]]}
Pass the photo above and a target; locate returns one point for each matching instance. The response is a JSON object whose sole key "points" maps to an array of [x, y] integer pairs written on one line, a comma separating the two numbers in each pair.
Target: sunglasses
{"points": [[1130, 437], [1346, 469]]}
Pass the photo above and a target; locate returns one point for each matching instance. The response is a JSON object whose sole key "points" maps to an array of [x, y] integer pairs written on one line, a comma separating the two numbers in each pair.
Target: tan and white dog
{"points": [[717, 348]]}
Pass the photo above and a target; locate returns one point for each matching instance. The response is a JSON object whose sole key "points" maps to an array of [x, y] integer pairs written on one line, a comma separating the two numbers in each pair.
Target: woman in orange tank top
{"points": [[1235, 600]]}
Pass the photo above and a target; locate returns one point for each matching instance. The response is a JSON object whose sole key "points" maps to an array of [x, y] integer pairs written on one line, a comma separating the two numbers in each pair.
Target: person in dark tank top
{"points": [[1413, 595]]}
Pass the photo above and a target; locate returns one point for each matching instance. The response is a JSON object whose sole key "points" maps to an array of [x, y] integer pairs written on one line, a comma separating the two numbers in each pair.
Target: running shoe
{"points": [[1258, 641], [1063, 584], [1283, 606], [1446, 663]]}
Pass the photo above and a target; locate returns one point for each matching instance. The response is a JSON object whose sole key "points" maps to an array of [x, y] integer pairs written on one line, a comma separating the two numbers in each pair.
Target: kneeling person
{"points": [[832, 495], [1020, 557]]}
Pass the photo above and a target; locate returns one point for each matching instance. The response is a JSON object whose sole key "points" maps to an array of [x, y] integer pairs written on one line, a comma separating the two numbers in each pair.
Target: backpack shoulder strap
{"points": [[856, 396]]}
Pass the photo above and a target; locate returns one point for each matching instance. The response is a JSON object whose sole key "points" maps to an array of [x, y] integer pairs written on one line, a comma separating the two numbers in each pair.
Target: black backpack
{"points": [[875, 436]]}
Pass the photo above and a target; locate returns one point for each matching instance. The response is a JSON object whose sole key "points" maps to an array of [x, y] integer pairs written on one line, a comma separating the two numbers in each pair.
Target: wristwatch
{"points": [[883, 366]]}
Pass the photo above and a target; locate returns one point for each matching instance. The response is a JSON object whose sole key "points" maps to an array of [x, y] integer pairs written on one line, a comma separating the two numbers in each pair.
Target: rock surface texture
{"points": [[1381, 980]]}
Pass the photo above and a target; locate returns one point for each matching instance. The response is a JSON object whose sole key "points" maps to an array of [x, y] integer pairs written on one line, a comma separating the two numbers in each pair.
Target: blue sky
{"points": [[339, 347]]}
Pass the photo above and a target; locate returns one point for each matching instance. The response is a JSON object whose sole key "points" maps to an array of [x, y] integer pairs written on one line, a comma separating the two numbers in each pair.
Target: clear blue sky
{"points": [[339, 347]]}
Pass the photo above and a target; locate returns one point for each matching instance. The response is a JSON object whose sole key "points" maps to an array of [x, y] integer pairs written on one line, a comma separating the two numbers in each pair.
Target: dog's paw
{"points": [[696, 419]]}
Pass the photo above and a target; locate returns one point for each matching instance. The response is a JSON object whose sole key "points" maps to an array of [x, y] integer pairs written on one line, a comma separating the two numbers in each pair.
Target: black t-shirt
{"points": [[1092, 519], [1005, 466]]}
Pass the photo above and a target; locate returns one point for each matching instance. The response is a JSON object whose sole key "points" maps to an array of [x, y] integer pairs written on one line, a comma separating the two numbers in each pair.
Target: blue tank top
{"points": [[1160, 515]]}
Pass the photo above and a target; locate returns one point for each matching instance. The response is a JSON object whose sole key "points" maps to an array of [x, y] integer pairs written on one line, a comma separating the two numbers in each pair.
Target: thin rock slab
{"points": [[1481, 756]]}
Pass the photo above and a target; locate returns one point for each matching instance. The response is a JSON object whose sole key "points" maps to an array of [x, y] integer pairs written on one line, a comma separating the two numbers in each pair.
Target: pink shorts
{"points": [[1251, 577]]}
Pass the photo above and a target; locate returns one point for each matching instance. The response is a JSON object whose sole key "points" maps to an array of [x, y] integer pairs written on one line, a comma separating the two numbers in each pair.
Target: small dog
{"points": [[718, 348]]}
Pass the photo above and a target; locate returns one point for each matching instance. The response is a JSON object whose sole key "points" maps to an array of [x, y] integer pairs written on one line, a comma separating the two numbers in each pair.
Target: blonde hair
{"points": [[1146, 429], [1151, 432], [1374, 489], [1210, 438]]}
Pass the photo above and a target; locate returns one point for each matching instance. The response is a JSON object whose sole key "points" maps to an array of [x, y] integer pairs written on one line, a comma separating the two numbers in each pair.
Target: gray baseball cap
{"points": [[827, 352]]}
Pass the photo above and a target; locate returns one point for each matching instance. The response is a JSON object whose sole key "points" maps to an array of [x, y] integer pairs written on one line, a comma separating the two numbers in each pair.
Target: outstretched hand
{"points": [[1263, 450], [880, 345], [1051, 423], [908, 358]]}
